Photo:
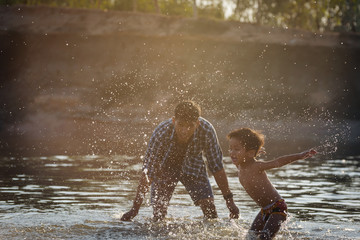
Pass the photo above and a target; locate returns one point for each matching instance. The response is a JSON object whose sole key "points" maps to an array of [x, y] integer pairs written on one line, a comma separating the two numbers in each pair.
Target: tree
{"points": [[306, 14], [319, 15], [195, 9], [156, 5]]}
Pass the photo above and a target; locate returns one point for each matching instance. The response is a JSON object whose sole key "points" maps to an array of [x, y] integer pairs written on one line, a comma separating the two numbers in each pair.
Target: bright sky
{"points": [[228, 7]]}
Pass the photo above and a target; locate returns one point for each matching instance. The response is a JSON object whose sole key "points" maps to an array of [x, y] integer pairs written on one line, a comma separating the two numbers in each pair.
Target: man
{"points": [[175, 153]]}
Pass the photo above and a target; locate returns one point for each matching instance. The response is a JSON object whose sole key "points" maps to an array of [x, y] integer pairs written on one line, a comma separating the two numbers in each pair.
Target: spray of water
{"points": [[332, 132], [326, 148]]}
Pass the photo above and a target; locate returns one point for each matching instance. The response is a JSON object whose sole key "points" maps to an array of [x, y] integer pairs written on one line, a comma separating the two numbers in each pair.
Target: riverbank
{"points": [[81, 81]]}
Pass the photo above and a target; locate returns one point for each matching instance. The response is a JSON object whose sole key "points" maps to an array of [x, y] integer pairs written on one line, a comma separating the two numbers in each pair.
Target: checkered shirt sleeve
{"points": [[156, 148]]}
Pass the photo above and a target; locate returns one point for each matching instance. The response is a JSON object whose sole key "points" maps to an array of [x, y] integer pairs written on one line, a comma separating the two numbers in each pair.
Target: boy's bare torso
{"points": [[257, 185]]}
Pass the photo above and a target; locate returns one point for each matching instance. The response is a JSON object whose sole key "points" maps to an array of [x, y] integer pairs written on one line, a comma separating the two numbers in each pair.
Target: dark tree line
{"points": [[319, 15]]}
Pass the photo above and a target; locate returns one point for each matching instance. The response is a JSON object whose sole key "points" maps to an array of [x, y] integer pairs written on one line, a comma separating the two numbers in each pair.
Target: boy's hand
{"points": [[307, 154]]}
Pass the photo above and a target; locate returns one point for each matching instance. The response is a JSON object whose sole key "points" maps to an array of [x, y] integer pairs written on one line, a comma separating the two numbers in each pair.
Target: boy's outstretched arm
{"points": [[284, 160], [143, 187]]}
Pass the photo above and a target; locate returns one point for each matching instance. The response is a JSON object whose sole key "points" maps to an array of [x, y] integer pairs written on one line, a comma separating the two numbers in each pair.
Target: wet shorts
{"points": [[163, 188], [278, 207]]}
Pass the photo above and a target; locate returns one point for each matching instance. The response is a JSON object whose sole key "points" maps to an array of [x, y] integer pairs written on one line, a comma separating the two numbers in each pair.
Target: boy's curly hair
{"points": [[252, 140]]}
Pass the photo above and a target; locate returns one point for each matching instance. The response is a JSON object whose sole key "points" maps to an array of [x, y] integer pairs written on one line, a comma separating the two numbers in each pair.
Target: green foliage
{"points": [[102, 4], [125, 5], [341, 15], [176, 8], [320, 15], [134, 5], [213, 10], [12, 2]]}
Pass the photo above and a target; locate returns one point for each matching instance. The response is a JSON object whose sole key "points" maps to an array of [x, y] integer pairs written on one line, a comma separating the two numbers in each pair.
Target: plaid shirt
{"points": [[204, 142]]}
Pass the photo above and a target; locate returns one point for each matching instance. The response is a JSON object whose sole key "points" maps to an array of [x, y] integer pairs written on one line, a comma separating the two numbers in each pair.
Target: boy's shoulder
{"points": [[252, 164]]}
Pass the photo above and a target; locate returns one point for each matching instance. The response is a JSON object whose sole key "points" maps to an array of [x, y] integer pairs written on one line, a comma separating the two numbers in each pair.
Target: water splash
{"points": [[327, 148], [185, 228], [332, 132]]}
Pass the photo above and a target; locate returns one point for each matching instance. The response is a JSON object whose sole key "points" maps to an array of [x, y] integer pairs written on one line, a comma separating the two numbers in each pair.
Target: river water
{"points": [[83, 197]]}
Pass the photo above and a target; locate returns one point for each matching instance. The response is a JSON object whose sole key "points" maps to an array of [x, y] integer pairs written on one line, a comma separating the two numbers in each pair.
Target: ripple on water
{"points": [[79, 197]]}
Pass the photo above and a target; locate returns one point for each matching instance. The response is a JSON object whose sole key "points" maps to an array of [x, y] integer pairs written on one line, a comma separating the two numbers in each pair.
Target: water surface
{"points": [[83, 197]]}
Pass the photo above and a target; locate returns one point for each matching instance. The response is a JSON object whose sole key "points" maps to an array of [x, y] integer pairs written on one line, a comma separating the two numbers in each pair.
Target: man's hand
{"points": [[221, 180], [140, 194], [234, 210], [129, 215]]}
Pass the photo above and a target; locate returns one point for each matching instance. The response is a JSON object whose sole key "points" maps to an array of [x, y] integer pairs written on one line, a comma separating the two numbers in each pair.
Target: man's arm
{"points": [[222, 182], [143, 187], [214, 157], [284, 160], [150, 165]]}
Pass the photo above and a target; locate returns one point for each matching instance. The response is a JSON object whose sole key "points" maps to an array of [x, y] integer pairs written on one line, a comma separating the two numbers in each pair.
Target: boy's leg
{"points": [[272, 226], [200, 191], [258, 223], [161, 193]]}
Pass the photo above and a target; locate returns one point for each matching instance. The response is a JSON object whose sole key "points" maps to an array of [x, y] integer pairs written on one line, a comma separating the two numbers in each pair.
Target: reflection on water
{"points": [[83, 197]]}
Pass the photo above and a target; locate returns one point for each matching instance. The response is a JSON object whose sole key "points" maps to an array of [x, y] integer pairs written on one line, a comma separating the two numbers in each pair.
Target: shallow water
{"points": [[83, 197]]}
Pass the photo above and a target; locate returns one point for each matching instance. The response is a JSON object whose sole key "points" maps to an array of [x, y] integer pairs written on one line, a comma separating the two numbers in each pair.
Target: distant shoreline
{"points": [[78, 81]]}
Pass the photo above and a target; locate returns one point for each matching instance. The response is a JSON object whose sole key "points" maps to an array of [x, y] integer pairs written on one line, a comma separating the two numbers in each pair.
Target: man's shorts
{"points": [[163, 188]]}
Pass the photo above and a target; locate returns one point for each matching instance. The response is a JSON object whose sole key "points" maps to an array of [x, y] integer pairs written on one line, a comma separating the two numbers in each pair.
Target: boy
{"points": [[244, 145]]}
